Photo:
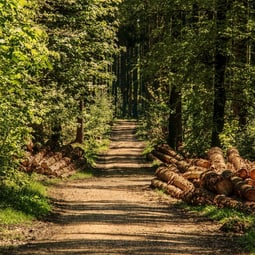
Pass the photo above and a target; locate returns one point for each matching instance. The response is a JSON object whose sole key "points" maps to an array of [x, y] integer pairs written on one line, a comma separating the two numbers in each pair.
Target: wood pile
{"points": [[62, 163], [223, 181]]}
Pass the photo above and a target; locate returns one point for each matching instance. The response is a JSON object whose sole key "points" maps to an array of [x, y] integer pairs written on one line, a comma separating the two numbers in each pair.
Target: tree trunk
{"points": [[175, 119], [80, 122], [219, 77]]}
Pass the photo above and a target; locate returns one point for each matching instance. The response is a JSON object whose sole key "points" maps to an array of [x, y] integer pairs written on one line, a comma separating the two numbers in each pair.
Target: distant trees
{"points": [[196, 71]]}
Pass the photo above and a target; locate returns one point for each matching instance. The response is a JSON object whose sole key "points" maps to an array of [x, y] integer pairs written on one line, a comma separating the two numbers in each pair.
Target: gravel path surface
{"points": [[116, 212]]}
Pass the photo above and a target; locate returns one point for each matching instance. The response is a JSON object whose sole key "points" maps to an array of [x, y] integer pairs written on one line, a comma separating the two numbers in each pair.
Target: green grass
{"points": [[80, 175], [232, 221], [22, 199], [10, 216]]}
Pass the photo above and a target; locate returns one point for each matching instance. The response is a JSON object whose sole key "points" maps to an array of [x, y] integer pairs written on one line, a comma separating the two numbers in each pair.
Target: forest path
{"points": [[116, 212]]}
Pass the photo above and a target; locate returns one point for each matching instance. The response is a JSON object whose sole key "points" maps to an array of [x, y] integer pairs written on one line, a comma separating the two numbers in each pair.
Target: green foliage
{"points": [[24, 195], [23, 58], [10, 216], [247, 241], [232, 221], [98, 117], [175, 45], [83, 33]]}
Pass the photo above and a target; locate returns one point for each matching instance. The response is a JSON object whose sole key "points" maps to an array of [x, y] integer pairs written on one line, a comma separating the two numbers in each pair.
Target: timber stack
{"points": [[223, 181], [61, 163]]}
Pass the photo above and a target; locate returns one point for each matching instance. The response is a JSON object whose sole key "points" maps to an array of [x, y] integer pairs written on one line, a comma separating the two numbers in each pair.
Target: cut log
{"points": [[243, 173], [235, 158], [243, 189], [170, 189], [164, 157], [179, 161], [224, 201], [170, 176], [200, 162], [38, 158], [250, 182], [248, 192], [60, 164], [191, 175], [200, 196], [216, 183], [216, 157], [50, 160], [252, 174], [166, 149]]}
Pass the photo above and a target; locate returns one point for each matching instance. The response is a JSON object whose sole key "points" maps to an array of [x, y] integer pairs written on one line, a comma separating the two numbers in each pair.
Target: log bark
{"points": [[170, 189], [166, 149], [38, 158], [216, 157], [201, 196], [234, 157], [191, 175], [200, 162], [216, 183], [51, 160], [64, 162], [164, 157], [252, 174], [153, 158], [243, 189], [170, 176], [250, 182]]}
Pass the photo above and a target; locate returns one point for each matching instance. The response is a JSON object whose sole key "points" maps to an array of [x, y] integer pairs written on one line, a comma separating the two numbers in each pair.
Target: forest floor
{"points": [[116, 212]]}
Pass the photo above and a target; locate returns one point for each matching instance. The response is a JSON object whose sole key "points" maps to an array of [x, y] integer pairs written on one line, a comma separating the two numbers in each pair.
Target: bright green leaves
{"points": [[24, 55]]}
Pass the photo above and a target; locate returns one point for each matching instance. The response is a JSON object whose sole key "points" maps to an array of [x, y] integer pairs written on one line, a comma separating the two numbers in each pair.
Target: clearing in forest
{"points": [[116, 212]]}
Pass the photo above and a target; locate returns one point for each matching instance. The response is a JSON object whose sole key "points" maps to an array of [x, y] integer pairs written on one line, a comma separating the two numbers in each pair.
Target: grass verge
{"points": [[22, 199], [232, 221]]}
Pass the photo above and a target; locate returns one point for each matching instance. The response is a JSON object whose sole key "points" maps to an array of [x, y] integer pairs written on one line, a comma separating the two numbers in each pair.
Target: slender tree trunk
{"points": [[220, 68], [55, 140], [175, 119], [80, 122]]}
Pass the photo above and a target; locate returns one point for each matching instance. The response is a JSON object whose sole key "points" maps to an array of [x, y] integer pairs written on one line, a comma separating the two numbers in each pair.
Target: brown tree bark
{"points": [[80, 127], [216, 157], [172, 177], [172, 190], [216, 183], [235, 158]]}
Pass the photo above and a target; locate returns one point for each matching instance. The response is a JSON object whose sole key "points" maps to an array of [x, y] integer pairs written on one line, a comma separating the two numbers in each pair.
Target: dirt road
{"points": [[116, 212]]}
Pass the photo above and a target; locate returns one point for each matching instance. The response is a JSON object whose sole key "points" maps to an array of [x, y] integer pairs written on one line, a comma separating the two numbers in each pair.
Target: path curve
{"points": [[116, 212]]}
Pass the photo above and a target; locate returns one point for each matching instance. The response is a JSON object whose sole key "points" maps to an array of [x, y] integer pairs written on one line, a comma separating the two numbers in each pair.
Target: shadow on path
{"points": [[116, 212]]}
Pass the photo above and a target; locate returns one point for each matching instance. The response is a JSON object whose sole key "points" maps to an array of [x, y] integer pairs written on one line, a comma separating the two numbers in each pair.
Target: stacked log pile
{"points": [[62, 163], [225, 182]]}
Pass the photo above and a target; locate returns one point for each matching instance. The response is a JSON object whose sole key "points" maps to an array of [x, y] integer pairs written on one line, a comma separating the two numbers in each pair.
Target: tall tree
{"points": [[220, 70]]}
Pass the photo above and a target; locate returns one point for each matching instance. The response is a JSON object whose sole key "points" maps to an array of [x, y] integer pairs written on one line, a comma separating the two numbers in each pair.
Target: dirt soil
{"points": [[116, 212]]}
